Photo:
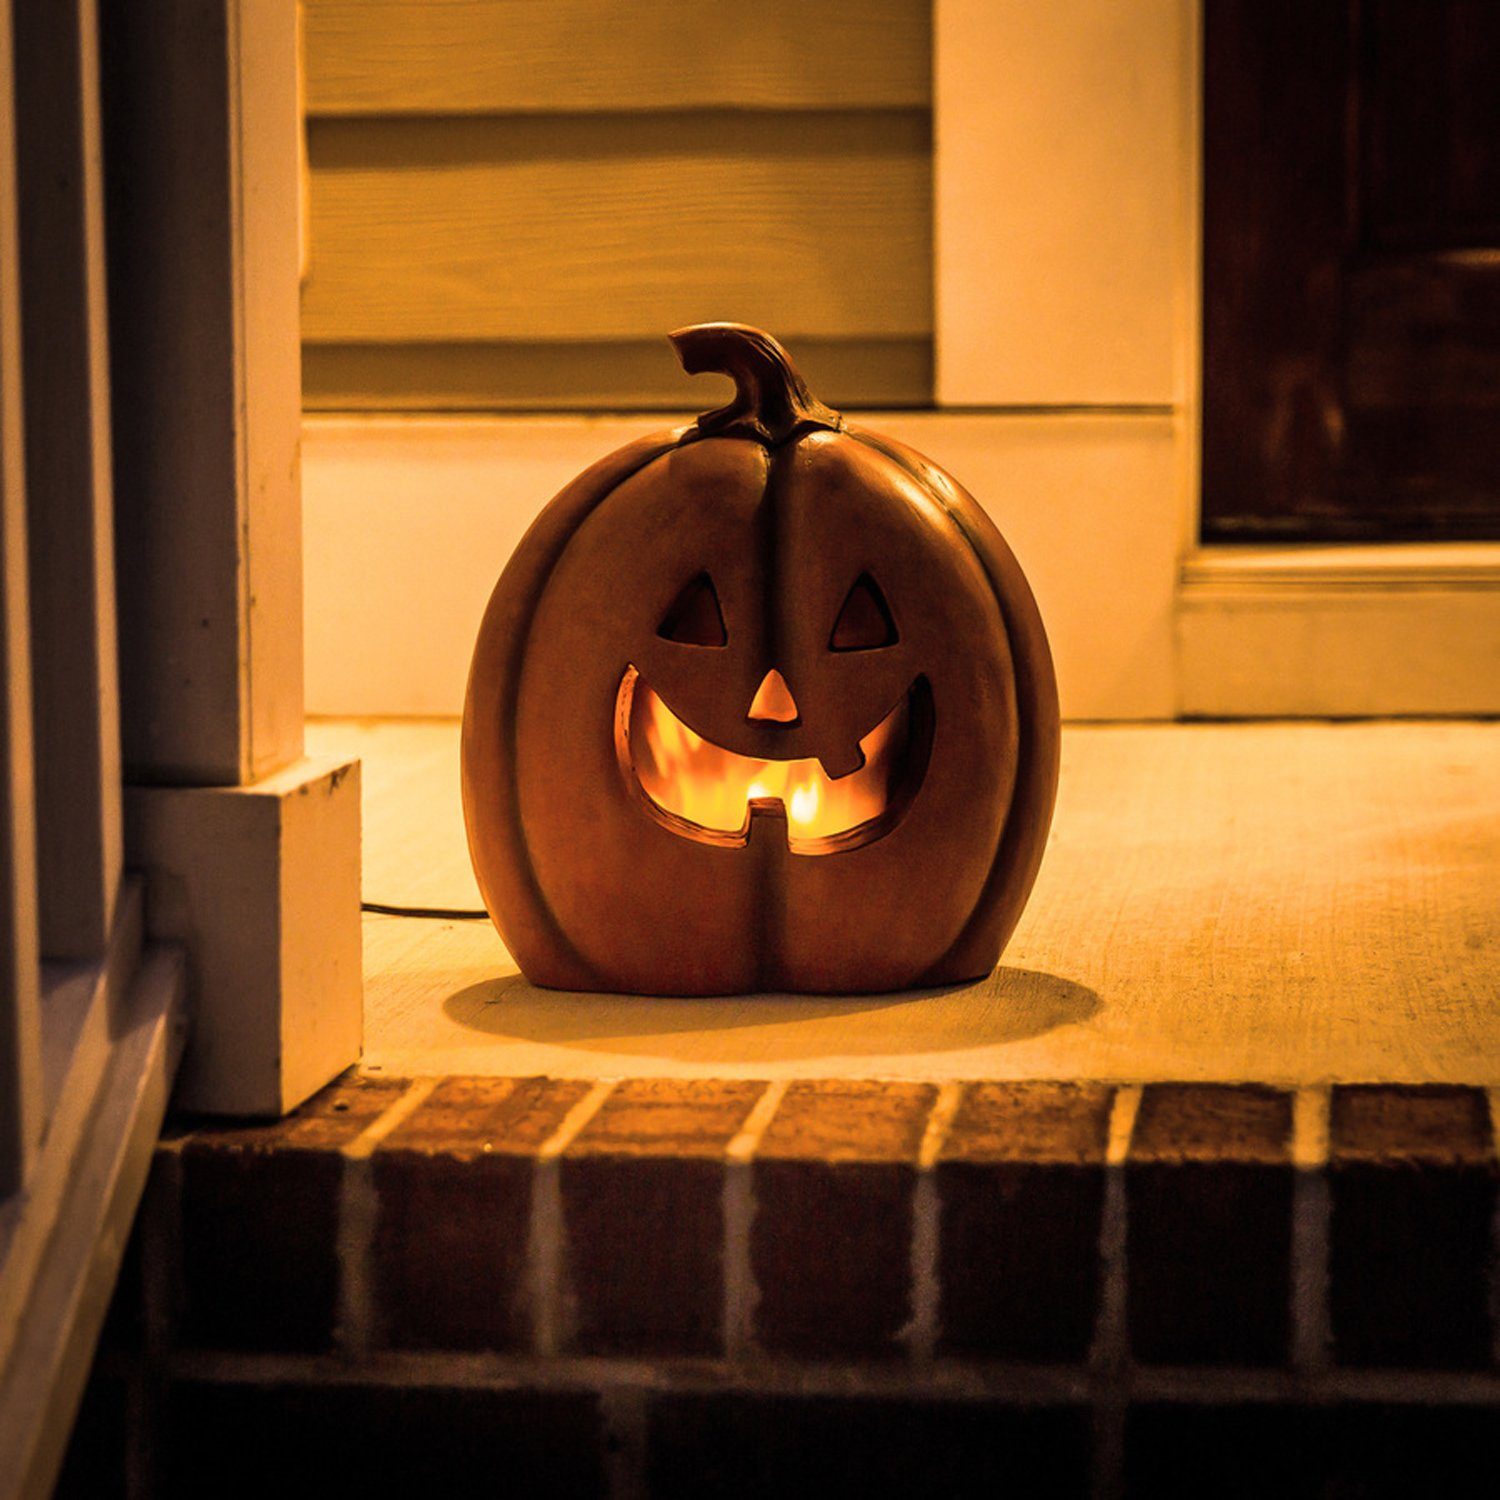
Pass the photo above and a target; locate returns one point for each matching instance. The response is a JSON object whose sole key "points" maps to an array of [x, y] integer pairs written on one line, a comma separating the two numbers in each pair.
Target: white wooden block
{"points": [[261, 883]]}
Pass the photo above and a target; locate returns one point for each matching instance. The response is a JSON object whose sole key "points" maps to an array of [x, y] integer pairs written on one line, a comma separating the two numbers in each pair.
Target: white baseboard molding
{"points": [[409, 520], [47, 1349], [1340, 631]]}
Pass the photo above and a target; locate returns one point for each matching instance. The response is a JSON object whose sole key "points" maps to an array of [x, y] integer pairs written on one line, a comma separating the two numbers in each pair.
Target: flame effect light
{"points": [[712, 788]]}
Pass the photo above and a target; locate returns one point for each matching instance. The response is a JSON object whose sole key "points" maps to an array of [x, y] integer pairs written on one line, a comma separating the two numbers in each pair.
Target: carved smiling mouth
{"points": [[702, 791]]}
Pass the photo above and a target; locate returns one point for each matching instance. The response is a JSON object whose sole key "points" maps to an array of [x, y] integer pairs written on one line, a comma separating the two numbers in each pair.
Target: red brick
{"points": [[327, 1121], [453, 1185], [1412, 1186], [260, 1212], [1184, 1450], [830, 1244], [1407, 1451], [1394, 1125], [1020, 1183], [731, 1445], [1209, 1216], [643, 1204], [251, 1440], [95, 1464]]}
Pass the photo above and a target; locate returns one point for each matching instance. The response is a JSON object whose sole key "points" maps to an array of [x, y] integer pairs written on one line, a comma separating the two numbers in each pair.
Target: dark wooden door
{"points": [[1351, 269]]}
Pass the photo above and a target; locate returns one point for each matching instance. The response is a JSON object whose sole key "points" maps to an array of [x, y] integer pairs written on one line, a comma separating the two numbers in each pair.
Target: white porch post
{"points": [[251, 851]]}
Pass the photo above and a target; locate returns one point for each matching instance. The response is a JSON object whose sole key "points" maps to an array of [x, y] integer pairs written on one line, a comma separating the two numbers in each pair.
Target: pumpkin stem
{"points": [[771, 400]]}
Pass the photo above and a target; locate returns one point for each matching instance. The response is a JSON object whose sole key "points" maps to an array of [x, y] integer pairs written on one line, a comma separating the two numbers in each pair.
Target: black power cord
{"points": [[440, 913]]}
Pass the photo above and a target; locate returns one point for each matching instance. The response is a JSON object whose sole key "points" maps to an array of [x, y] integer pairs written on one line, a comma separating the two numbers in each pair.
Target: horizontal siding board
{"points": [[620, 227], [377, 57], [635, 375]]}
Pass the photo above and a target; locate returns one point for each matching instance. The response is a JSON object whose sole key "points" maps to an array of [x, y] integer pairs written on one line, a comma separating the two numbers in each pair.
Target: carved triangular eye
{"points": [[865, 620], [695, 618]]}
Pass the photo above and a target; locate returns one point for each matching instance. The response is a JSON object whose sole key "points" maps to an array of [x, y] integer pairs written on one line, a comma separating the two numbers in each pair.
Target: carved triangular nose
{"points": [[773, 700]]}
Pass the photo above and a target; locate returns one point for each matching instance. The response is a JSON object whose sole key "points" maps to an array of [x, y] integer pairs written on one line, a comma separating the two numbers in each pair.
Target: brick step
{"points": [[642, 1274], [457, 1426]]}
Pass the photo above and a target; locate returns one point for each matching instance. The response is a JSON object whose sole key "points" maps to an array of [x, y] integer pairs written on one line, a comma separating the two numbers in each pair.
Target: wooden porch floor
{"points": [[1288, 903]]}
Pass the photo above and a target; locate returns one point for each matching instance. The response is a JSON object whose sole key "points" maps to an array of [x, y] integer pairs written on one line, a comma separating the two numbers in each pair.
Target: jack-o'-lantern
{"points": [[764, 703]]}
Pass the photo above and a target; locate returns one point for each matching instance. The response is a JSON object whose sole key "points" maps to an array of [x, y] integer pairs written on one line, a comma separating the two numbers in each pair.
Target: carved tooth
{"points": [[835, 769]]}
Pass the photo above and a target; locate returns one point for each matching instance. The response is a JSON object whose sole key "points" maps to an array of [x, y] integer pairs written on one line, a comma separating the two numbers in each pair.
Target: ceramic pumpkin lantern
{"points": [[764, 703]]}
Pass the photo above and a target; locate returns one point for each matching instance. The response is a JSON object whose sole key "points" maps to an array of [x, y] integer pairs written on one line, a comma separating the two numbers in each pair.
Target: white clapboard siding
{"points": [[375, 57], [76, 689], [586, 375], [20, 1039], [510, 204], [578, 228]]}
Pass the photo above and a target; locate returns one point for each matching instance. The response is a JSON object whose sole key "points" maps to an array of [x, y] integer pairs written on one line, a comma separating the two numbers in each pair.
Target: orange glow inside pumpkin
{"points": [[712, 789]]}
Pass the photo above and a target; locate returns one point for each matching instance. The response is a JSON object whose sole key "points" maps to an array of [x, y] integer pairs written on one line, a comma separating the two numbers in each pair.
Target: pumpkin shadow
{"points": [[1009, 1005]]}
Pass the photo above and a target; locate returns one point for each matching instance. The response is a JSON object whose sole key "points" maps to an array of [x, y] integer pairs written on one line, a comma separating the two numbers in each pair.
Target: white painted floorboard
{"points": [[1281, 902]]}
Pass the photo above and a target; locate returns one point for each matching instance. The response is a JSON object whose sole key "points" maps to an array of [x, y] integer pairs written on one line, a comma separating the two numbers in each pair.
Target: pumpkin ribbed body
{"points": [[909, 668]]}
